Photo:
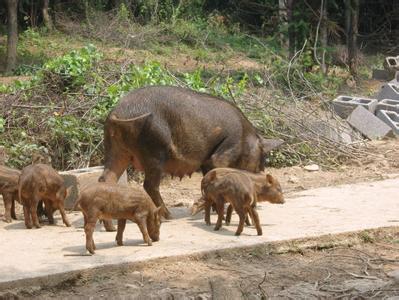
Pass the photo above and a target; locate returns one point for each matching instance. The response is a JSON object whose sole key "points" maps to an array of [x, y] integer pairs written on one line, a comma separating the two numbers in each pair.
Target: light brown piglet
{"points": [[112, 201], [41, 182]]}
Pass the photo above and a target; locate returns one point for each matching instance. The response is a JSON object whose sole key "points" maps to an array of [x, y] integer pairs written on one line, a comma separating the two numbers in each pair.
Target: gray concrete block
{"points": [[383, 75], [395, 79], [344, 105], [81, 177], [392, 62], [388, 104], [368, 124], [390, 118], [389, 91]]}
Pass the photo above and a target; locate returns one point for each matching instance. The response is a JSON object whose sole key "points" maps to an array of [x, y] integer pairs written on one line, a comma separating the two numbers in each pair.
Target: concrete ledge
{"points": [[54, 251], [79, 178]]}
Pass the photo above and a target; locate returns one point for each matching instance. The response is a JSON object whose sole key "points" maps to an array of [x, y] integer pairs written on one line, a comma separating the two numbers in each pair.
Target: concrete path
{"points": [[43, 252]]}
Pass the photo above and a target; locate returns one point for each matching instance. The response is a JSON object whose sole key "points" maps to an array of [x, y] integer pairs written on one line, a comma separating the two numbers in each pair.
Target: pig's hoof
{"points": [[149, 243], [260, 233], [119, 243], [68, 224], [7, 220], [238, 233], [91, 251], [227, 223], [216, 228], [28, 226]]}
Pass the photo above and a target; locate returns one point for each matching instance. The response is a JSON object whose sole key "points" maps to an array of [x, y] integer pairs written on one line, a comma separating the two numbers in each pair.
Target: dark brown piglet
{"points": [[109, 201]]}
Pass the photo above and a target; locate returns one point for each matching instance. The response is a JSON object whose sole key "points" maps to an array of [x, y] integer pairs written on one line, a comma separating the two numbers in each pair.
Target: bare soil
{"points": [[355, 266]]}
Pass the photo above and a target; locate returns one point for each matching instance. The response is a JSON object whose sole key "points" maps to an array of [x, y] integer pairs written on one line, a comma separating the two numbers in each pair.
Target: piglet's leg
{"points": [[143, 228], [255, 218], [228, 214], [63, 215], [241, 213], [220, 212], [28, 222], [13, 214], [33, 213], [8, 203], [119, 234], [89, 229], [207, 211]]}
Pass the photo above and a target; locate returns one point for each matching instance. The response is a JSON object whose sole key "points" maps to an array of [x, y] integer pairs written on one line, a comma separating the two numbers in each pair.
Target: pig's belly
{"points": [[180, 168]]}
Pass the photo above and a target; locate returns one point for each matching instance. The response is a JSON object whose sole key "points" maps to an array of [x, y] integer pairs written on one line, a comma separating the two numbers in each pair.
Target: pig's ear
{"points": [[135, 120], [269, 179], [134, 125], [270, 144]]}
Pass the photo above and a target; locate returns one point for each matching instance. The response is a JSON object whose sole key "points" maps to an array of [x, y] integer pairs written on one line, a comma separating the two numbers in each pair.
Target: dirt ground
{"points": [[353, 266]]}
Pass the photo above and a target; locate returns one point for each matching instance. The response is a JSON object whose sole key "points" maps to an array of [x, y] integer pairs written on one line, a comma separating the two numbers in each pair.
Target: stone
{"points": [[390, 118], [344, 105], [312, 168], [368, 124], [389, 91], [394, 275], [81, 177], [336, 131]]}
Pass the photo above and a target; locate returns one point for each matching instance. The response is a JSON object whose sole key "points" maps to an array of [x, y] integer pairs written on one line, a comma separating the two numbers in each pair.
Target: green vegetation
{"points": [[101, 50]]}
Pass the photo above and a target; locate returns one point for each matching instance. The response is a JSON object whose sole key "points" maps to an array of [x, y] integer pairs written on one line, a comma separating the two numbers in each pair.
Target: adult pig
{"points": [[173, 130]]}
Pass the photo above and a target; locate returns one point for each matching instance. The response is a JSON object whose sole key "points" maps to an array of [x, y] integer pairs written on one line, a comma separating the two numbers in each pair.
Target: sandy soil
{"points": [[362, 266]]}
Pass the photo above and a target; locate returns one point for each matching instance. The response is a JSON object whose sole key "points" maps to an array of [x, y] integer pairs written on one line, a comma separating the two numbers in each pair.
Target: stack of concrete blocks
{"points": [[79, 178], [374, 118]]}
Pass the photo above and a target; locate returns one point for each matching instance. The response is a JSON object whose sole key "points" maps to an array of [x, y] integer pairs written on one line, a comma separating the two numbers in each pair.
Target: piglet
{"points": [[9, 190], [237, 188], [112, 201], [41, 182]]}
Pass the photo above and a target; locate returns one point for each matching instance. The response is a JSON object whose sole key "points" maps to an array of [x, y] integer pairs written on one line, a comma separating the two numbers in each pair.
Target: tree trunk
{"points": [[324, 35], [12, 35], [291, 28], [351, 24], [282, 12], [46, 17]]}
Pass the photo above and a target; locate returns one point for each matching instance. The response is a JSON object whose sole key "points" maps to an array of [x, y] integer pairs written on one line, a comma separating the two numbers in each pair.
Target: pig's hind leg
{"points": [[119, 233], [255, 219]]}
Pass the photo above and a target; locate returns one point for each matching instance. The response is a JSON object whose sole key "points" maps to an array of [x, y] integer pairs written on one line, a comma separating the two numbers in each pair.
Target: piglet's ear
{"points": [[269, 179], [157, 211]]}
